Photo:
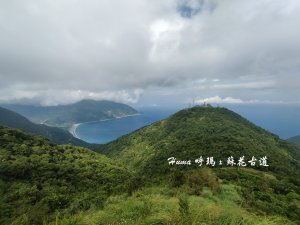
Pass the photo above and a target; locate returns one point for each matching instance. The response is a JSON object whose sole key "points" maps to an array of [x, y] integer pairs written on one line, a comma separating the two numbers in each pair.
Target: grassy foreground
{"points": [[165, 205]]}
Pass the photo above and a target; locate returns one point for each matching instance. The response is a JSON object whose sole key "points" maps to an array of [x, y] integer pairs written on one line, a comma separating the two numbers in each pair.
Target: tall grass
{"points": [[152, 206]]}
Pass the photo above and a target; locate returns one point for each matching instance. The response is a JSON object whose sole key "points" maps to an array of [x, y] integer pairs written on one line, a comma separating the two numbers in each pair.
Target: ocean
{"points": [[282, 120], [105, 131]]}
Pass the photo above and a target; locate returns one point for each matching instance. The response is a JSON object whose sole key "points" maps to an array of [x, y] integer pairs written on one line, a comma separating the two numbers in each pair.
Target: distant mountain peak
{"points": [[86, 110], [200, 131]]}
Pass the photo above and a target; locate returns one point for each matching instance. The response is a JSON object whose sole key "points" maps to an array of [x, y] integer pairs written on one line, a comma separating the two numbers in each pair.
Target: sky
{"points": [[150, 52]]}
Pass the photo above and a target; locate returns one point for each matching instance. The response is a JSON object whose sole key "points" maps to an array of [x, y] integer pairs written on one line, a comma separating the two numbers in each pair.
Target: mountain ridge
{"points": [[57, 135], [219, 133], [65, 115], [71, 185], [294, 139], [198, 130]]}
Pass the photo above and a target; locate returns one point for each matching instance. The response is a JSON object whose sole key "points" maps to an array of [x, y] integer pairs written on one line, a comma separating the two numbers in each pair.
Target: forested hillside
{"points": [[43, 183], [39, 179], [57, 135]]}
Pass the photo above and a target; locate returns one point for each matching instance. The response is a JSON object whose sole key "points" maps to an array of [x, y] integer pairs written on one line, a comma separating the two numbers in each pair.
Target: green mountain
{"points": [[42, 183], [206, 132], [218, 133], [38, 179], [57, 135], [295, 139], [80, 112]]}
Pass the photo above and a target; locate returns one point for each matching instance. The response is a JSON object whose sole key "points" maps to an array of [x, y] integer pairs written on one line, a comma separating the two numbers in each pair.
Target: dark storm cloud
{"points": [[54, 52]]}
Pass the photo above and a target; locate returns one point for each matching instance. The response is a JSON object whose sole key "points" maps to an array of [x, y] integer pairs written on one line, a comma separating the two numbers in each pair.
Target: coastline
{"points": [[72, 129]]}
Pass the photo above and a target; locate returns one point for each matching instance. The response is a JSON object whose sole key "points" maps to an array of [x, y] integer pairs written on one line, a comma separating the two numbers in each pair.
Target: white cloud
{"points": [[109, 49], [231, 100], [246, 85], [61, 97], [217, 99], [165, 38]]}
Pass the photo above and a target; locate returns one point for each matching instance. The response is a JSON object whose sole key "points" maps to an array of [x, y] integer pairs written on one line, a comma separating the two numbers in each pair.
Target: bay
{"points": [[102, 132], [282, 119]]}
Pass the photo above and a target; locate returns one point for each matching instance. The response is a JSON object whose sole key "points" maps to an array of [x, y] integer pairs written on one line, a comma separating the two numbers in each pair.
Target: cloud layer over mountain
{"points": [[56, 52]]}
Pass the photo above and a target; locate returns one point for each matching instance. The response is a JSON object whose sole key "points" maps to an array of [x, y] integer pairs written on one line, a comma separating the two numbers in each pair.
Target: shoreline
{"points": [[72, 129]]}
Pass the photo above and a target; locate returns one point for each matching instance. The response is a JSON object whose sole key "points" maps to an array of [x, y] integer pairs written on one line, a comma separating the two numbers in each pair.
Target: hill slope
{"points": [[295, 139], [39, 178], [42, 182], [202, 131], [80, 112], [57, 135], [218, 133]]}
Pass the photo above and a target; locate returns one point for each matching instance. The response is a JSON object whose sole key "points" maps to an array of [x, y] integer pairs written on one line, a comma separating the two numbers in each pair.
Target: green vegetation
{"points": [[206, 132], [57, 135], [218, 133], [80, 112], [166, 205], [39, 179], [295, 139], [43, 183]]}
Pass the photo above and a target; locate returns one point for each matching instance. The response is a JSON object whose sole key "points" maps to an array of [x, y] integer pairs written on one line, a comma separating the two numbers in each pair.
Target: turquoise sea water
{"points": [[282, 120], [106, 131]]}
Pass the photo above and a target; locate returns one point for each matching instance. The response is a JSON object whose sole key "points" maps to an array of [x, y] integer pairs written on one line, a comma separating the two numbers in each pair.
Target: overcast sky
{"points": [[150, 52]]}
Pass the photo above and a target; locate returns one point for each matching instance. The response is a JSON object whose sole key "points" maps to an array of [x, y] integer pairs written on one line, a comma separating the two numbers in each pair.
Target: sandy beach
{"points": [[73, 128]]}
